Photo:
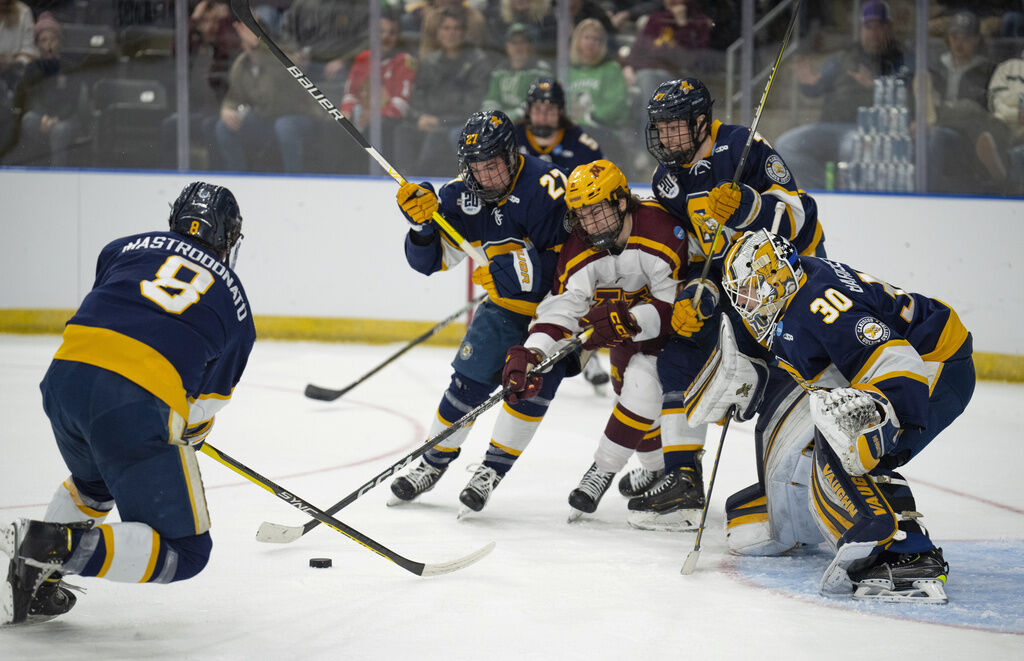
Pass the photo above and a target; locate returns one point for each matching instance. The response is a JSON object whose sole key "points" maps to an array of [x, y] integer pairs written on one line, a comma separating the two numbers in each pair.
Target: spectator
{"points": [[324, 36], [512, 78], [539, 14], [845, 83], [625, 13], [580, 10], [1006, 95], [961, 82], [450, 86], [430, 16], [52, 101], [672, 45], [261, 100], [597, 96], [397, 73], [17, 44]]}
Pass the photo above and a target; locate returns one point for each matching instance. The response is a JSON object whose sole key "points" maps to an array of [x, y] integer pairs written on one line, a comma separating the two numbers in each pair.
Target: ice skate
{"points": [[673, 503], [475, 495], [585, 497], [595, 375], [421, 478], [36, 550], [918, 578], [638, 481]]}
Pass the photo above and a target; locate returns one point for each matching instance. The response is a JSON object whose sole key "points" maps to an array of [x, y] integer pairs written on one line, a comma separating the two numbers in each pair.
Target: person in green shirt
{"points": [[511, 80]]}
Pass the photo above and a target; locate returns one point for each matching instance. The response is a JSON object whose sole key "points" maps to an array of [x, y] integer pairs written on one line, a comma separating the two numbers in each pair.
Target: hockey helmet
{"points": [[598, 186], [209, 215], [549, 90], [686, 100], [762, 272], [488, 135]]}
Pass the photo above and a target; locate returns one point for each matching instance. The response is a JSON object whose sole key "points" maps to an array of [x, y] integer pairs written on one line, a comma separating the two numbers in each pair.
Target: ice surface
{"points": [[595, 589]]}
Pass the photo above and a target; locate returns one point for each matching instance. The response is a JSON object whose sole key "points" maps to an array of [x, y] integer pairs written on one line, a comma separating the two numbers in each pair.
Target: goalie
{"points": [[882, 371]]}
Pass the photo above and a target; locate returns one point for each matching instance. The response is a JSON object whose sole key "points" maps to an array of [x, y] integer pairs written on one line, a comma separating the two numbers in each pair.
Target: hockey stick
{"points": [[277, 533], [243, 12], [746, 147], [418, 568], [328, 395], [691, 558]]}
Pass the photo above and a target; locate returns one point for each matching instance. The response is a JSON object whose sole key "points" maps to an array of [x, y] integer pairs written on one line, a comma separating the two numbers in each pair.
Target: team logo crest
{"points": [[668, 187], [777, 170], [465, 351], [701, 166], [469, 203], [872, 332], [498, 216]]}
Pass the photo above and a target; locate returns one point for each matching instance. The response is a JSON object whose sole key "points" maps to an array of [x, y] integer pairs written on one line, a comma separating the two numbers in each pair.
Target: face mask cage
{"points": [[759, 281], [490, 195], [687, 145], [604, 219]]}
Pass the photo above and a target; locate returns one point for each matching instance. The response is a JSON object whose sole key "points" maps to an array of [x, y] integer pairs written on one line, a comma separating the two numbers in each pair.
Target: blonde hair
{"points": [[575, 57], [537, 10]]}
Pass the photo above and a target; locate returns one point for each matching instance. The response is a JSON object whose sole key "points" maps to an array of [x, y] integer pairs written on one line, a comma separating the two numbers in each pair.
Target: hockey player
{"points": [[512, 206], [545, 131], [618, 273], [152, 354], [697, 158], [885, 370]]}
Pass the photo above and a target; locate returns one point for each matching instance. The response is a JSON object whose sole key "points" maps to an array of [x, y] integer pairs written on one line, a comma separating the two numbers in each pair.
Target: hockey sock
{"points": [[135, 553], [78, 500], [681, 444], [461, 397], [513, 431], [649, 451]]}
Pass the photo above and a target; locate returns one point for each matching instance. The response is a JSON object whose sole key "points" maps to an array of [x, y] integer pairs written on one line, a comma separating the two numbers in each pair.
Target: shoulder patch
{"points": [[777, 170], [668, 187], [469, 203], [872, 332]]}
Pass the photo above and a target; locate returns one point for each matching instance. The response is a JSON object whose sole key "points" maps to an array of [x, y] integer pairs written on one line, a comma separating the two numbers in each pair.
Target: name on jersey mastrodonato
{"points": [[202, 257], [315, 92]]}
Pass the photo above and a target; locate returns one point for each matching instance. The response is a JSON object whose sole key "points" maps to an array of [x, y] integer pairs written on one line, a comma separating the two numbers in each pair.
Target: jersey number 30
{"points": [[170, 292]]}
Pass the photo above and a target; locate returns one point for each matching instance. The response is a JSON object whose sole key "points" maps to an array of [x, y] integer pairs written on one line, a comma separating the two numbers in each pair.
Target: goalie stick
{"points": [[277, 533], [243, 12], [328, 395], [691, 558], [746, 150], [418, 568]]}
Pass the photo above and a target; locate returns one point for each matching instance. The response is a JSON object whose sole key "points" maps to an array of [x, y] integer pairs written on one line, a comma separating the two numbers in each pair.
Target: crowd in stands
{"points": [[92, 83]]}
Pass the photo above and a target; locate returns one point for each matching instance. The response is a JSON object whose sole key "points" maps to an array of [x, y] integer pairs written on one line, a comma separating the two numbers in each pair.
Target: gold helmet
{"points": [[594, 184], [761, 273]]}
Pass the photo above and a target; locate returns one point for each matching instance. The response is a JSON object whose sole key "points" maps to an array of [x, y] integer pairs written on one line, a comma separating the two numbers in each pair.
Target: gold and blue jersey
{"points": [[847, 328], [684, 190], [574, 147], [531, 216], [169, 316]]}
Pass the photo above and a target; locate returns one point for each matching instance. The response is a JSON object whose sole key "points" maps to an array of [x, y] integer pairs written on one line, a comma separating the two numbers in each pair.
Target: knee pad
{"points": [[192, 554]]}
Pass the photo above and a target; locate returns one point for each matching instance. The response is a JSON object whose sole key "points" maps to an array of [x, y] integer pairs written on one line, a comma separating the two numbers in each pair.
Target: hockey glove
{"points": [[418, 205], [517, 376], [687, 315], [860, 426], [612, 323], [734, 205], [511, 274]]}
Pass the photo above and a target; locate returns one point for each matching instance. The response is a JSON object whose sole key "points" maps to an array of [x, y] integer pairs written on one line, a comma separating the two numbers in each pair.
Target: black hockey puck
{"points": [[320, 563]]}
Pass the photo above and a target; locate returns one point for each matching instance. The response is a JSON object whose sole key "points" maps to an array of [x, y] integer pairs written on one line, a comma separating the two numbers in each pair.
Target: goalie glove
{"points": [[511, 274], [729, 378], [860, 426], [517, 375], [687, 315], [612, 323], [418, 204]]}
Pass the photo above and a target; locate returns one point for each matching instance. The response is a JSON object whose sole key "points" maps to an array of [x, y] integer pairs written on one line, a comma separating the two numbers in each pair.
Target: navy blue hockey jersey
{"points": [[847, 328], [531, 216], [684, 190], [169, 316], [574, 148]]}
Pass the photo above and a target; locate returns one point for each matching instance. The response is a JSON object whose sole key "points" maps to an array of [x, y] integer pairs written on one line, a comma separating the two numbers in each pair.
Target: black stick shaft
{"points": [[329, 395]]}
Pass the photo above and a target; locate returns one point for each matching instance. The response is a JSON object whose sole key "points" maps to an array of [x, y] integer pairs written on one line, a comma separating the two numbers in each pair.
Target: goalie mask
{"points": [[209, 215], [592, 195], [488, 156], [761, 273], [679, 119]]}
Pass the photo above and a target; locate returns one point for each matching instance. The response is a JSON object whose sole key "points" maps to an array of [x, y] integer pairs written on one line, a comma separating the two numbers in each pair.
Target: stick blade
{"points": [[456, 565], [690, 563], [322, 394], [275, 533]]}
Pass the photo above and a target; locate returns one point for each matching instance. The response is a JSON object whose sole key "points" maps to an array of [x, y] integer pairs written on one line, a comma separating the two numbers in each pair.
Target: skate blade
{"points": [[463, 512], [677, 521], [925, 591], [395, 501], [7, 598], [574, 515]]}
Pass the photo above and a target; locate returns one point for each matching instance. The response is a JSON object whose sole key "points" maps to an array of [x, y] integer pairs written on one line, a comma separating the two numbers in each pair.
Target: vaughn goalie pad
{"points": [[729, 377]]}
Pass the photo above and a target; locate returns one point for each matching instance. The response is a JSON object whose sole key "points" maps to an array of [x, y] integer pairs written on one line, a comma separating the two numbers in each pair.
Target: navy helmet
{"points": [[547, 89], [209, 215], [686, 100], [485, 136]]}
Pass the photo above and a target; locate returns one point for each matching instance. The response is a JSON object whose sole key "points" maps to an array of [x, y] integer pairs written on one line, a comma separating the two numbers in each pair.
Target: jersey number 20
{"points": [[170, 292]]}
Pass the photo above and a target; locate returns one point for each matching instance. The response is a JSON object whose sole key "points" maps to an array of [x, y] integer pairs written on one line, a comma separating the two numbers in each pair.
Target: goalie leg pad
{"points": [[728, 378]]}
